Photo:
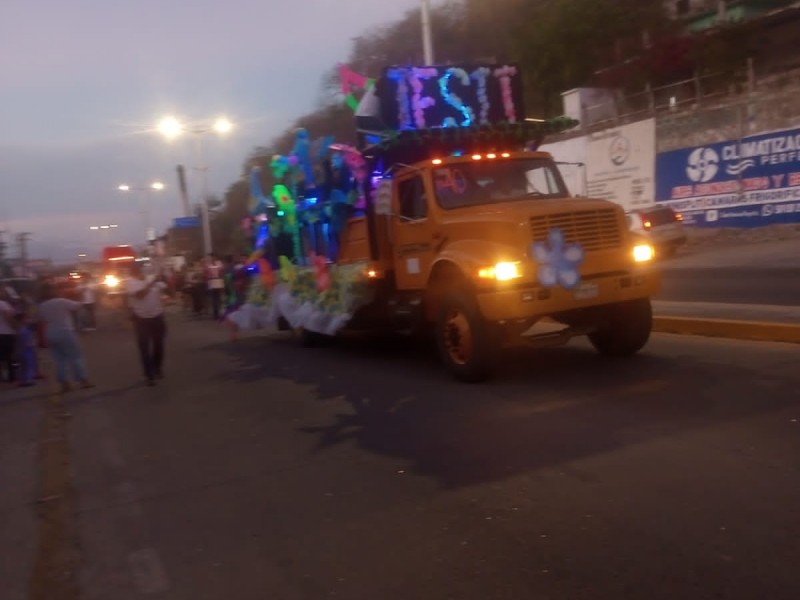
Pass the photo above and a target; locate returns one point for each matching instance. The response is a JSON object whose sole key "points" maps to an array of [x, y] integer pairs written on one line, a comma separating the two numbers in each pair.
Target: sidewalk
{"points": [[735, 321]]}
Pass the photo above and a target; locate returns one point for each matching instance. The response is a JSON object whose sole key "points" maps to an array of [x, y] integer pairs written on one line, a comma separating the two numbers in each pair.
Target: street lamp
{"points": [[171, 128], [155, 186]]}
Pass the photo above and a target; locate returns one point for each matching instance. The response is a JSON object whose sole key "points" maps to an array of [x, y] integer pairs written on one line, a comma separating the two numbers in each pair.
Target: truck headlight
{"points": [[110, 281], [643, 253], [502, 271]]}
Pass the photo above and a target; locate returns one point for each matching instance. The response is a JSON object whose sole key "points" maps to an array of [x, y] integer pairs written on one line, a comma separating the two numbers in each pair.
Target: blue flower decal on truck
{"points": [[557, 261]]}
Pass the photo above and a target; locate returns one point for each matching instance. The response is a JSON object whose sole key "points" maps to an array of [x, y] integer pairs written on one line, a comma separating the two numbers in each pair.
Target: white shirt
{"points": [[87, 293], [150, 305], [58, 313], [214, 272], [6, 316]]}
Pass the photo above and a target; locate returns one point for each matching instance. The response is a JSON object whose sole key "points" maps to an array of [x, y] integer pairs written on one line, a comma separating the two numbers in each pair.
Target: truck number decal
{"points": [[451, 180]]}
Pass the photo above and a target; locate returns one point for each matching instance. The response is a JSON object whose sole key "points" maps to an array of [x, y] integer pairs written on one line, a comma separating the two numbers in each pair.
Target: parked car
{"points": [[661, 226]]}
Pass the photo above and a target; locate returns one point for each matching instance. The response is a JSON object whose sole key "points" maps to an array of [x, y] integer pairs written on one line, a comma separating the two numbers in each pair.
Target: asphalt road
{"points": [[734, 285], [767, 272], [263, 470]]}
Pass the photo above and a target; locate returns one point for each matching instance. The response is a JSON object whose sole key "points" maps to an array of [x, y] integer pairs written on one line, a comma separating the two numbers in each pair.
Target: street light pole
{"points": [[427, 36], [207, 245], [170, 127]]}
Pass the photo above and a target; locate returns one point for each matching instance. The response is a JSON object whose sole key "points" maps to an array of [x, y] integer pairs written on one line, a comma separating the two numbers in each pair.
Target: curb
{"points": [[761, 331]]}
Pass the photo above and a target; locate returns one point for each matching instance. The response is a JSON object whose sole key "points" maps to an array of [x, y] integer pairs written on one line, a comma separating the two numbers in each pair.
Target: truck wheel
{"points": [[464, 339], [625, 328]]}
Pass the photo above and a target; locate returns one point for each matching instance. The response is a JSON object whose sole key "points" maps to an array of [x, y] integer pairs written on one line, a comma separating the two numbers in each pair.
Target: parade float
{"points": [[444, 217]]}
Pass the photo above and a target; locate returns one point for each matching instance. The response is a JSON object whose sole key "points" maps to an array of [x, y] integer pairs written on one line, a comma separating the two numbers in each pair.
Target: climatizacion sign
{"points": [[741, 183]]}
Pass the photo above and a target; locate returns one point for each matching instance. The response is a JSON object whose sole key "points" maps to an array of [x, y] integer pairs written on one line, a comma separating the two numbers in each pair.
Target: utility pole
{"points": [[22, 242], [427, 36]]}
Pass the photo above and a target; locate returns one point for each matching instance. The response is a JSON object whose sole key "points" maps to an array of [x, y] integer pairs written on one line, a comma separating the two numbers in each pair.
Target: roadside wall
{"points": [[731, 163]]}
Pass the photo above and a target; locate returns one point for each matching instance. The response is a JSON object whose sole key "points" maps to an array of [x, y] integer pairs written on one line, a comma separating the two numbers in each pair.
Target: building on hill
{"points": [[702, 15]]}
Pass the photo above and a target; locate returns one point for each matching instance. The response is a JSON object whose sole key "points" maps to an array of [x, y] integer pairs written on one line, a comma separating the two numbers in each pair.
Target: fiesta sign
{"points": [[744, 183], [450, 96]]}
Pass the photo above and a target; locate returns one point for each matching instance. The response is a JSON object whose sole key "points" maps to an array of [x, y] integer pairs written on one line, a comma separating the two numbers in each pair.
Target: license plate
{"points": [[587, 291]]}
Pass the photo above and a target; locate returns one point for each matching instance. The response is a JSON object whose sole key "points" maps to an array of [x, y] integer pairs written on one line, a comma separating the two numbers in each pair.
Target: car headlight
{"points": [[643, 253], [502, 271]]}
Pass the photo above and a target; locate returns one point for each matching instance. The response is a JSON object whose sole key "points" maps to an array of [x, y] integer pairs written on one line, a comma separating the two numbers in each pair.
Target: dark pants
{"points": [[7, 362], [216, 302], [150, 334], [198, 295], [90, 316]]}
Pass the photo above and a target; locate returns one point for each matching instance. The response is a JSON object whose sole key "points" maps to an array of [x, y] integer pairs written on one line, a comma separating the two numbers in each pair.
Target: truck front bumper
{"points": [[504, 303]]}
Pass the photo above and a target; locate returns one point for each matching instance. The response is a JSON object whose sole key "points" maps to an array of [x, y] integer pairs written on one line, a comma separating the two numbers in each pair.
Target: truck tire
{"points": [[464, 339], [625, 328], [310, 339]]}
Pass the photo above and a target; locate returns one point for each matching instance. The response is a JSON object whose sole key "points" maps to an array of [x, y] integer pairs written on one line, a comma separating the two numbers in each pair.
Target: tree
{"points": [[561, 43]]}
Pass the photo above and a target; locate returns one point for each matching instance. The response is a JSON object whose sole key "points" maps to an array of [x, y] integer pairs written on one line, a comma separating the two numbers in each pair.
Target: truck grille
{"points": [[593, 229]]}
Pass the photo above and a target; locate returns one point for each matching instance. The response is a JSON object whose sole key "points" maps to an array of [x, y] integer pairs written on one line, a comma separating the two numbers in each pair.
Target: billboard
{"points": [[740, 183], [186, 222], [620, 164]]}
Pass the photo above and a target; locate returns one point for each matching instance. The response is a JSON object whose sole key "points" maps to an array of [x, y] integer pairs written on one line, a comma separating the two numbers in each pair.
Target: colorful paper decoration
{"points": [[558, 261]]}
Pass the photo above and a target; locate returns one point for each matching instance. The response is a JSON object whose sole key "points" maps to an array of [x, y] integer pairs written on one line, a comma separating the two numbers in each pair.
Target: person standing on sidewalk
{"points": [[216, 284], [8, 336], [58, 315], [148, 318], [89, 300]]}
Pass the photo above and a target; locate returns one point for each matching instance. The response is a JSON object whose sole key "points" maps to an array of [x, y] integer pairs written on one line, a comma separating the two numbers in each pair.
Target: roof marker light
{"points": [[491, 155], [437, 161], [506, 155], [476, 157]]}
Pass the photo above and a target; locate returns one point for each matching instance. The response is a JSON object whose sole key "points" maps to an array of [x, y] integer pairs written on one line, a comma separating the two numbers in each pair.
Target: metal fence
{"points": [[690, 93]]}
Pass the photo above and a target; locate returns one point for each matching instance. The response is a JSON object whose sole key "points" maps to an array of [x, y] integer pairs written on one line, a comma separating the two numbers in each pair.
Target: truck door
{"points": [[413, 243]]}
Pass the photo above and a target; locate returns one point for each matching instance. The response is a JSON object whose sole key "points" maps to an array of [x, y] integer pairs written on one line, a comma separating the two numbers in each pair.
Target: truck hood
{"points": [[518, 212]]}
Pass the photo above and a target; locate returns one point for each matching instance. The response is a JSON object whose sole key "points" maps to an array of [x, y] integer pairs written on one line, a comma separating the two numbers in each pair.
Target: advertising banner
{"points": [[741, 183], [620, 164], [571, 158]]}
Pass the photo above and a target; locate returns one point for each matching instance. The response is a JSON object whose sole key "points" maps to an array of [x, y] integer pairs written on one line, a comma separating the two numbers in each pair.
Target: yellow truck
{"points": [[480, 247], [468, 232]]}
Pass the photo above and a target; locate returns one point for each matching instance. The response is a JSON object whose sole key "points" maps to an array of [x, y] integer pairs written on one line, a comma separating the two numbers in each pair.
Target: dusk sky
{"points": [[84, 83]]}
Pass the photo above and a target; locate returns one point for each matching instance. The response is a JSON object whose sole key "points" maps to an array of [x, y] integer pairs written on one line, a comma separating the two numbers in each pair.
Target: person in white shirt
{"points": [[7, 337], [144, 301], [89, 299], [58, 316], [216, 284]]}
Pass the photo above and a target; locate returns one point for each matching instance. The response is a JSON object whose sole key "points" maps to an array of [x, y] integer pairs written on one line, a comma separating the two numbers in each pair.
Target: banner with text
{"points": [[741, 183], [620, 164]]}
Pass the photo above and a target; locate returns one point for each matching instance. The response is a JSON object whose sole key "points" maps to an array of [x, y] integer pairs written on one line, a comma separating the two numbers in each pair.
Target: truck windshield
{"points": [[490, 181]]}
